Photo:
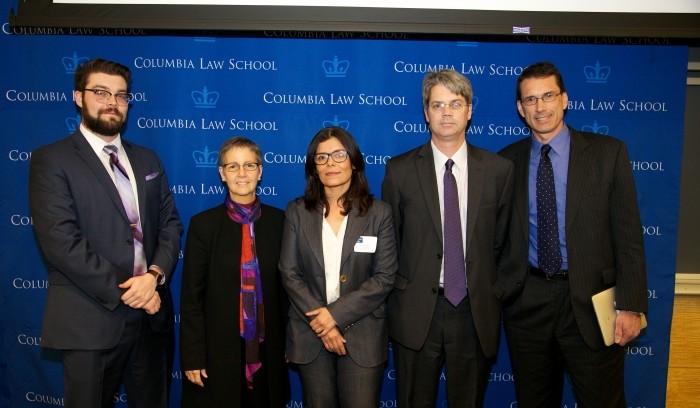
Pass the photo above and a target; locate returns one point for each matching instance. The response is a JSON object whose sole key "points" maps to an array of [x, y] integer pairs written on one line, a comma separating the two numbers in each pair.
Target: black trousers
{"points": [[92, 377], [544, 343], [452, 341]]}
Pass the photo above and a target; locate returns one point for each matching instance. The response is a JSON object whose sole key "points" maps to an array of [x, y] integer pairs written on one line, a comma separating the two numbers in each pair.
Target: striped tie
{"points": [[121, 179]]}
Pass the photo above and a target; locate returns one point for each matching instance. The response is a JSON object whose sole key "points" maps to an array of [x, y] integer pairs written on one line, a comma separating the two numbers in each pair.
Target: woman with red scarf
{"points": [[232, 304]]}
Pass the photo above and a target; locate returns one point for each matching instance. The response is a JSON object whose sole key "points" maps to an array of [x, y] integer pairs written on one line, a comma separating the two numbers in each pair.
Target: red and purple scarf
{"points": [[252, 316]]}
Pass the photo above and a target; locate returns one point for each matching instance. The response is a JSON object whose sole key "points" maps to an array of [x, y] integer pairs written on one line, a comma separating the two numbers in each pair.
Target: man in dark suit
{"points": [[111, 249], [427, 325], [553, 265]]}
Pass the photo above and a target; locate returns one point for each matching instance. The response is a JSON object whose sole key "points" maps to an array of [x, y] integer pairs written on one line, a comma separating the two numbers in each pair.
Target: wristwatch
{"points": [[160, 277]]}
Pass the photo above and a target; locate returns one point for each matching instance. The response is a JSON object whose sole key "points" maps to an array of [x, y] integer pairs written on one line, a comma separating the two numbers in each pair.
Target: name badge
{"points": [[366, 244]]}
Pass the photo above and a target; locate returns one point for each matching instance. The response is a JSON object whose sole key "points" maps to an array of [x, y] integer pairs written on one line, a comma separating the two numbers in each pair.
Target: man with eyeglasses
{"points": [[106, 222], [575, 231], [451, 204]]}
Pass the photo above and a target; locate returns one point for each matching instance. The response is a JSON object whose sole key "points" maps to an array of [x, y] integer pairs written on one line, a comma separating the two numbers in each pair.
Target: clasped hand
{"points": [[141, 293], [325, 328]]}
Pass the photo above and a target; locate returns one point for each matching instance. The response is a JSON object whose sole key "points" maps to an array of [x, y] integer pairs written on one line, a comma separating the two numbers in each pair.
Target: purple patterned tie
{"points": [[455, 277], [548, 250], [121, 179]]}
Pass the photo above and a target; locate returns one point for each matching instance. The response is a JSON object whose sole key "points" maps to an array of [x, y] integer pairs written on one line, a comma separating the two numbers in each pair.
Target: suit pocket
{"points": [[609, 277]]}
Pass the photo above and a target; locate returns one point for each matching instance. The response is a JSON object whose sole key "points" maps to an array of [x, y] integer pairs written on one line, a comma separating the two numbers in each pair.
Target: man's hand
{"points": [[627, 327], [153, 305], [139, 290]]}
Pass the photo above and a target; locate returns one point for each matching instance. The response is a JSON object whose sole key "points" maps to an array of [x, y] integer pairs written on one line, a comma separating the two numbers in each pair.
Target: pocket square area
{"points": [[151, 176]]}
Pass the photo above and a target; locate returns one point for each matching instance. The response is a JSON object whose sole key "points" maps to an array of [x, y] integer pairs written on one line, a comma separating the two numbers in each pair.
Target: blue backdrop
{"points": [[192, 93]]}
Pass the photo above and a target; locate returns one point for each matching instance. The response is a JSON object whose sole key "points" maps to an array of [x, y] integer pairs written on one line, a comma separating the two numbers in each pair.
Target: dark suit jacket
{"points": [[410, 186], [84, 233], [360, 312], [603, 229], [209, 307]]}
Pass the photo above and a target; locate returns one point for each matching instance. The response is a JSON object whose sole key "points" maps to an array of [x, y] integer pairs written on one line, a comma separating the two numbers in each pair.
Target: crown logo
{"points": [[73, 123], [205, 99], [596, 74], [72, 63], [603, 130], [335, 68], [205, 158], [335, 122]]}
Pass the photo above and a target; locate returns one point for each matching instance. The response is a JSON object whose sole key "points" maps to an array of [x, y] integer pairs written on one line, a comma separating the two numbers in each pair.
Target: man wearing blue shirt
{"points": [[575, 230]]}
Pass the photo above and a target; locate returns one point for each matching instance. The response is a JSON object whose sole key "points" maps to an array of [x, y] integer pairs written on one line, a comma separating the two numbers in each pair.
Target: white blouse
{"points": [[332, 253]]}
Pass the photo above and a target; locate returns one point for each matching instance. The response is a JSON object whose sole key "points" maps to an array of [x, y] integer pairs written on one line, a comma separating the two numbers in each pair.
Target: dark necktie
{"points": [[455, 276], [548, 250], [121, 179]]}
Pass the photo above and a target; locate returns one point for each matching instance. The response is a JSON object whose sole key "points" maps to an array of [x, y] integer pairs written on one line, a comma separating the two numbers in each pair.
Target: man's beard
{"points": [[101, 126]]}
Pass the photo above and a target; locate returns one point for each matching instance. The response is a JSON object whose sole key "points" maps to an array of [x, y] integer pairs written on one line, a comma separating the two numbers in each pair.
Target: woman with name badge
{"points": [[233, 308], [338, 262]]}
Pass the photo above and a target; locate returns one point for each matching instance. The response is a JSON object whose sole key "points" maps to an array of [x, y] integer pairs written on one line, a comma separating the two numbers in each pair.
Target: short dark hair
{"points": [[99, 65], [542, 69], [358, 193], [239, 142]]}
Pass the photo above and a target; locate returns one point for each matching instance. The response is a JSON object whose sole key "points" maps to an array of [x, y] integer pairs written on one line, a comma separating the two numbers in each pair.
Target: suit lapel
{"points": [[521, 197], [354, 228], [579, 162], [312, 229], [139, 169], [425, 168], [88, 156], [475, 185]]}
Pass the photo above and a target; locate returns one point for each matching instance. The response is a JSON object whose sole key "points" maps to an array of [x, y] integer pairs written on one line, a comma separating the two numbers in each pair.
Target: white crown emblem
{"points": [[205, 99], [596, 74], [73, 123], [335, 122], [72, 63], [603, 130], [336, 68], [205, 158]]}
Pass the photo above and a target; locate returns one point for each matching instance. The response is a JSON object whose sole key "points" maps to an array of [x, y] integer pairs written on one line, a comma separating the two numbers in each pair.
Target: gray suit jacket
{"points": [[366, 280], [410, 186], [603, 229], [84, 233]]}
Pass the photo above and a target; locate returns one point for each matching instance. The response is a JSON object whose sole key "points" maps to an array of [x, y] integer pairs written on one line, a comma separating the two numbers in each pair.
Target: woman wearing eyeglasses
{"points": [[232, 305], [338, 262]]}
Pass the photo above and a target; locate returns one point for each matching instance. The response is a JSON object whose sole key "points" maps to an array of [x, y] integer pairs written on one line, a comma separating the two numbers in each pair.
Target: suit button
{"points": [[343, 278], [130, 242], [434, 291], [439, 256]]}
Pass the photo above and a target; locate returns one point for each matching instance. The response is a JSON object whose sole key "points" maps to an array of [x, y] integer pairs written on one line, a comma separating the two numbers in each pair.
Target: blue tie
{"points": [[126, 193], [548, 250], [455, 273]]}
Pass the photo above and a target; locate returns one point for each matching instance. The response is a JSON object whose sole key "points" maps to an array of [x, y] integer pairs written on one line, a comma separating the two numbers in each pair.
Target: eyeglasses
{"points": [[247, 166], [440, 106], [546, 98], [103, 96], [338, 156]]}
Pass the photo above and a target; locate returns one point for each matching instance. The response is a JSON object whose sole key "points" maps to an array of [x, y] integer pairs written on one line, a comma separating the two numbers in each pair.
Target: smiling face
{"points": [[545, 119], [241, 183], [334, 176], [105, 119], [448, 124]]}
